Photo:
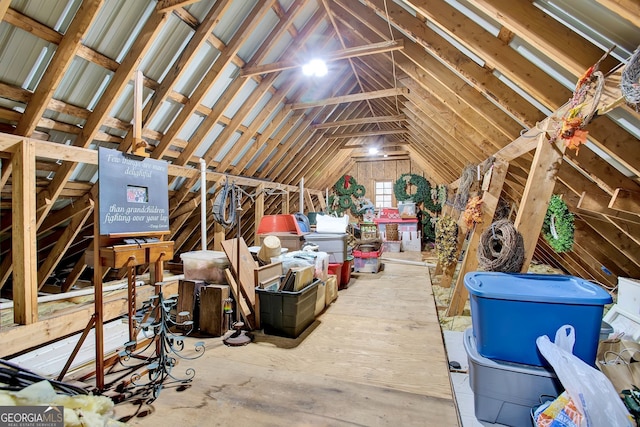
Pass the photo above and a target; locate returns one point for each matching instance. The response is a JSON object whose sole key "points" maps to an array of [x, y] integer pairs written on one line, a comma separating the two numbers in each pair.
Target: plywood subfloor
{"points": [[374, 358]]}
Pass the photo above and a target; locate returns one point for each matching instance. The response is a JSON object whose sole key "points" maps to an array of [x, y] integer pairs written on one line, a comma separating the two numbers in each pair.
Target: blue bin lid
{"points": [[548, 288]]}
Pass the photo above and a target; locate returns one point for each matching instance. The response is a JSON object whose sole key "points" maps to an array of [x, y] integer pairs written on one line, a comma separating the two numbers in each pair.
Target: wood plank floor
{"points": [[375, 357]]}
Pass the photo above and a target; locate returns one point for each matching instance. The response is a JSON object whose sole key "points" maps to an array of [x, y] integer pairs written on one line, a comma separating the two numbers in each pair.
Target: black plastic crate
{"points": [[288, 313]]}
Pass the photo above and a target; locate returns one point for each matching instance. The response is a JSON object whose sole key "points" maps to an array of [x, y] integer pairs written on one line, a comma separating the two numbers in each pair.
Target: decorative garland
{"points": [[462, 194], [442, 194], [423, 191], [446, 240], [428, 227], [575, 120], [558, 227], [501, 248], [630, 81], [473, 213]]}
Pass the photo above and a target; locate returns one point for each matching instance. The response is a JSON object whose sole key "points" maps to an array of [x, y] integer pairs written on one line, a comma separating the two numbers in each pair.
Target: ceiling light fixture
{"points": [[315, 67], [373, 150]]}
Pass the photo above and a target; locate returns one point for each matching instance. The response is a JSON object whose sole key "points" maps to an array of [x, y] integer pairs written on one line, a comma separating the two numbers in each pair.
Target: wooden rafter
{"points": [[211, 78], [626, 201], [595, 203], [169, 5], [362, 120], [4, 6], [61, 60], [367, 133], [352, 52], [627, 9], [350, 98], [62, 244]]}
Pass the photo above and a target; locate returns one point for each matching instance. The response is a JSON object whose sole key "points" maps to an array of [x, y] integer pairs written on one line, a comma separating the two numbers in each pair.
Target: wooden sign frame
{"points": [[133, 196]]}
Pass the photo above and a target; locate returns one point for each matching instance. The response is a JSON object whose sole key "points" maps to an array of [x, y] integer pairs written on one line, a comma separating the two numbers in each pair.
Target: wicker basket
{"points": [[392, 232]]}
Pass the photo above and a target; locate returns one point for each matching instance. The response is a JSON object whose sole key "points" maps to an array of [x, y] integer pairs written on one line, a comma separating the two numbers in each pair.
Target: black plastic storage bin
{"points": [[287, 313]]}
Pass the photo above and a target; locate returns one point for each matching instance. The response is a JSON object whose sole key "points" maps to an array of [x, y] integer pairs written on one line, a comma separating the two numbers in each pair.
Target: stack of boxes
{"points": [[507, 373], [335, 245], [407, 237]]}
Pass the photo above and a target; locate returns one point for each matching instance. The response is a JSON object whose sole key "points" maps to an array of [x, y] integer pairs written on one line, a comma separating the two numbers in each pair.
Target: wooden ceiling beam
{"points": [[618, 239], [313, 156], [292, 146], [63, 243], [379, 156], [275, 102], [169, 5], [350, 98], [351, 52], [317, 154], [625, 201], [606, 134], [599, 204], [367, 133], [212, 76], [543, 32], [117, 83], [432, 76], [462, 146], [4, 6], [447, 165], [29, 25], [482, 78], [362, 120], [626, 9], [332, 18], [62, 58], [378, 145], [427, 167], [199, 38]]}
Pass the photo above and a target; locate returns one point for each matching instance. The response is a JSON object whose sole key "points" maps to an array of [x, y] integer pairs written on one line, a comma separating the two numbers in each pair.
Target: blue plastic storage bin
{"points": [[509, 311]]}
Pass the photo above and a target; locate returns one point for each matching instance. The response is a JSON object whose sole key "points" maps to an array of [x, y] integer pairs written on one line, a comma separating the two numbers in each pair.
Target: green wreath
{"points": [[423, 191], [345, 201], [339, 186], [358, 190], [558, 227]]}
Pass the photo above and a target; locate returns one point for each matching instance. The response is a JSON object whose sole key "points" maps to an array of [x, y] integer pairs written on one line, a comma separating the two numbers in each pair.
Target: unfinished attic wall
{"points": [[368, 172]]}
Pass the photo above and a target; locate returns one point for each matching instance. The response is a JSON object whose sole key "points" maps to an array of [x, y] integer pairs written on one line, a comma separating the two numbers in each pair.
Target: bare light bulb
{"points": [[315, 67]]}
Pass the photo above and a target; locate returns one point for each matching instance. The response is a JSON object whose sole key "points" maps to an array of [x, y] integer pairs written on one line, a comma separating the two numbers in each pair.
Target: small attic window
{"points": [[383, 195]]}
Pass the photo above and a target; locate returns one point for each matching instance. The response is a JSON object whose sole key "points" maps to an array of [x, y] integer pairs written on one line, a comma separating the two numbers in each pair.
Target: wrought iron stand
{"points": [[156, 324]]}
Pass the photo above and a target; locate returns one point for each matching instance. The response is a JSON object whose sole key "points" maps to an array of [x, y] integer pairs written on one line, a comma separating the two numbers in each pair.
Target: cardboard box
{"points": [[411, 241]]}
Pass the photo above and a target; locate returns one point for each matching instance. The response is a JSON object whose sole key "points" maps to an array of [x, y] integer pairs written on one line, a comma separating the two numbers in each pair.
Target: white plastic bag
{"points": [[591, 391], [331, 224]]}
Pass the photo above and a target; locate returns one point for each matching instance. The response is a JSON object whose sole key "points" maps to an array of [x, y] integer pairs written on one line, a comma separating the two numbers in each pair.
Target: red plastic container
{"points": [[336, 268], [279, 224], [346, 273]]}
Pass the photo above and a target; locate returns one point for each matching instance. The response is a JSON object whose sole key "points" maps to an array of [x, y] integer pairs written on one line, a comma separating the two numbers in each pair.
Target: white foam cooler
{"points": [[505, 392]]}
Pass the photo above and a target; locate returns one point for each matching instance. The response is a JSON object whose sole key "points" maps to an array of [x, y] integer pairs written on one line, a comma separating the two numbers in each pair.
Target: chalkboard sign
{"points": [[134, 195]]}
